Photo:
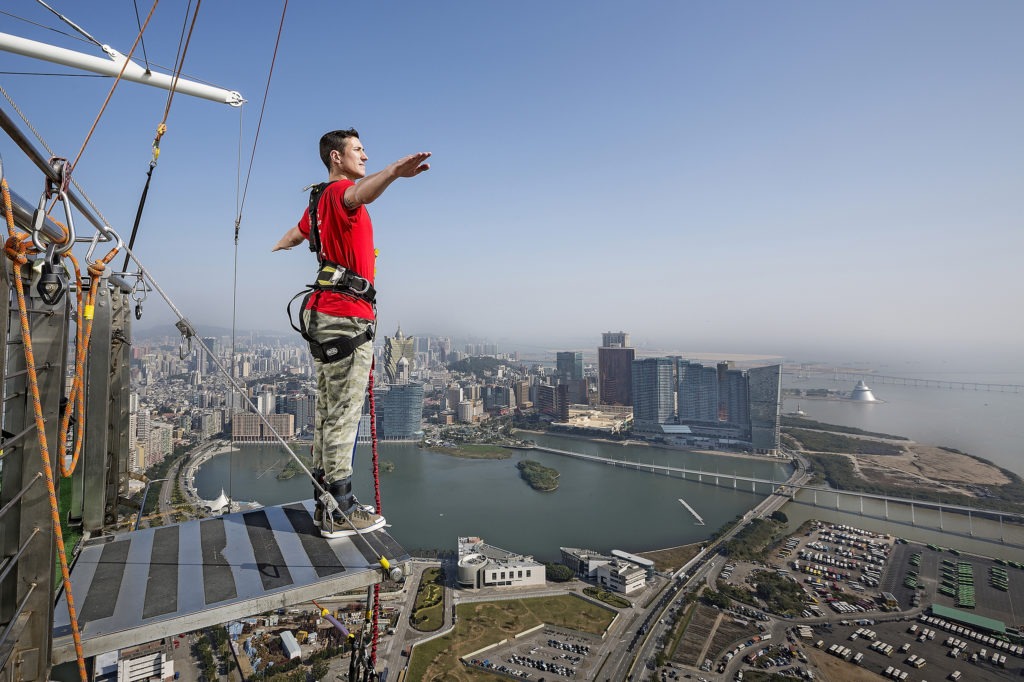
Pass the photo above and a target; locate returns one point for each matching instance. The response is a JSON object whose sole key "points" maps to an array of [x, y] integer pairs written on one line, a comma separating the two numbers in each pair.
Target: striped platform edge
{"points": [[147, 584]]}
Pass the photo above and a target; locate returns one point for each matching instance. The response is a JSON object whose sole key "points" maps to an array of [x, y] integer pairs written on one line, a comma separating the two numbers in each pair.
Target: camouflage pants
{"points": [[341, 390]]}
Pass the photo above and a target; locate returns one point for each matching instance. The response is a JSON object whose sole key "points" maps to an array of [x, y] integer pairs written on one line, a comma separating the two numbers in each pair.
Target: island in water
{"points": [[540, 477]]}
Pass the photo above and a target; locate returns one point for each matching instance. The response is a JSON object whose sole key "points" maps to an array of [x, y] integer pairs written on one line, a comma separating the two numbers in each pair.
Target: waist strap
{"points": [[333, 277]]}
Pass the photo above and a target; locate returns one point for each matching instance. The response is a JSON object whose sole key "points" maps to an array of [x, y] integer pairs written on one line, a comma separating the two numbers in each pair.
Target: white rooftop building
{"points": [[483, 565]]}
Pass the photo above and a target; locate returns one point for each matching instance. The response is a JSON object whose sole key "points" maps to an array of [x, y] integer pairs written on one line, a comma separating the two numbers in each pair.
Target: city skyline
{"points": [[860, 163]]}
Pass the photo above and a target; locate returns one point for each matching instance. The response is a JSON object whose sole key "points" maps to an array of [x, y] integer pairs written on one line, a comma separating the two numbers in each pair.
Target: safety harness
{"points": [[331, 277]]}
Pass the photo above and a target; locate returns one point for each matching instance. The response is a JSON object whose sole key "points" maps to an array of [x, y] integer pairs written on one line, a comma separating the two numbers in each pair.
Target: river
{"points": [[431, 499]]}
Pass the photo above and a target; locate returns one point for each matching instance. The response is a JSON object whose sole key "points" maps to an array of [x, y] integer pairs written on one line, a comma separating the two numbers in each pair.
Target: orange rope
{"points": [[16, 249]]}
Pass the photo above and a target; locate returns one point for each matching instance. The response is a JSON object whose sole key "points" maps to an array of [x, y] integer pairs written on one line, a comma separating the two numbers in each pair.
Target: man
{"points": [[339, 315]]}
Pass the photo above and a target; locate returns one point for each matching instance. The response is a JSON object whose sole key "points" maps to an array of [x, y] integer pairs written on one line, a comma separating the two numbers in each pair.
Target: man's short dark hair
{"points": [[334, 140]]}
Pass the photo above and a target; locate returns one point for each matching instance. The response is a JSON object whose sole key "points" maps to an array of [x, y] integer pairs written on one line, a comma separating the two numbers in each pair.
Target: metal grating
{"points": [[157, 582]]}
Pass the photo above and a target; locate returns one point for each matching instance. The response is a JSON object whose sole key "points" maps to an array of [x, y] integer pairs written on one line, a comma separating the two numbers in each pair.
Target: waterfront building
{"points": [[579, 560], [249, 427], [654, 393], [733, 397], [620, 576], [698, 393], [617, 573], [765, 391], [615, 369], [862, 393], [615, 375], [283, 424], [553, 400], [646, 564], [483, 565], [399, 411]]}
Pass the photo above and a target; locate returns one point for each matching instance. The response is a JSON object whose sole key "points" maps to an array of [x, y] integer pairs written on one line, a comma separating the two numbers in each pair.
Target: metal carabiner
{"points": [[139, 286], [186, 335], [67, 245], [58, 188]]}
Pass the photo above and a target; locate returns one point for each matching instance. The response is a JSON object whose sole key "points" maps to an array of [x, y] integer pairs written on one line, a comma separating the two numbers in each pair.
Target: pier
{"points": [[700, 521]]}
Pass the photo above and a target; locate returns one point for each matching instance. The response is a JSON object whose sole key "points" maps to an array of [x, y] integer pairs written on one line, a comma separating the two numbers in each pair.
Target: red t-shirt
{"points": [[346, 238]]}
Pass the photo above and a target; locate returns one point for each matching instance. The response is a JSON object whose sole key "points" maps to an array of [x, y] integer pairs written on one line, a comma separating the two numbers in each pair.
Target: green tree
{"points": [[319, 669], [780, 516], [557, 573]]}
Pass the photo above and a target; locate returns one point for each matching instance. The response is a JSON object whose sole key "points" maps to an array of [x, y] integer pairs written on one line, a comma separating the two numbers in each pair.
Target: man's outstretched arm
{"points": [[372, 186], [292, 237]]}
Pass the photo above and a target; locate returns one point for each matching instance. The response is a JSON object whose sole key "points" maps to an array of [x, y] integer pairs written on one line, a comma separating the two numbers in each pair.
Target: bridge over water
{"points": [[838, 375], [770, 486]]}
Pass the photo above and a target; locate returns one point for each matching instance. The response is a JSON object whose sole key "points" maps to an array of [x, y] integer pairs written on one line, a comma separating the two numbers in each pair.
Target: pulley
{"points": [[53, 281]]}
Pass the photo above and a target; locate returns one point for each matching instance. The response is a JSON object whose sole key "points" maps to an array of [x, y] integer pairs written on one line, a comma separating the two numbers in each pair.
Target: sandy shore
{"points": [[927, 463]]}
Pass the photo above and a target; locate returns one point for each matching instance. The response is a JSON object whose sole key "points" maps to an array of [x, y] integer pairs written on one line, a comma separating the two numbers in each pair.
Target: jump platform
{"points": [[140, 586]]}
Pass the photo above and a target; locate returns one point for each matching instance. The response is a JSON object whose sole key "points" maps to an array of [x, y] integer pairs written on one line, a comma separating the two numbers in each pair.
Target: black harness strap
{"points": [[314, 221]]}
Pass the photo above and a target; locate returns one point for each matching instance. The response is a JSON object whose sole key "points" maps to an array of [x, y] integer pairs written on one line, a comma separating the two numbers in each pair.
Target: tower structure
{"points": [[765, 388], [395, 348], [698, 392], [654, 392], [615, 369]]}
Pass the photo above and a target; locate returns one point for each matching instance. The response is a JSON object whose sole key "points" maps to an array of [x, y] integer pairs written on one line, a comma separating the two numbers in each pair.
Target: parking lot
{"points": [[549, 653], [939, 664]]}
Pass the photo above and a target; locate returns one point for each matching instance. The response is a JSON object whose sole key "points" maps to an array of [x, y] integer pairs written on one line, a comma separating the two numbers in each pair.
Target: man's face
{"points": [[352, 161]]}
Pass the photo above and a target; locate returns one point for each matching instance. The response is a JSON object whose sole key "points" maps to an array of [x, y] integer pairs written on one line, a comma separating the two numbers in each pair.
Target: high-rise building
{"points": [[698, 393], [765, 404], [615, 369], [615, 375], [553, 400], [211, 343], [399, 409], [733, 396], [522, 391], [395, 348], [569, 370], [569, 365], [654, 392], [615, 339]]}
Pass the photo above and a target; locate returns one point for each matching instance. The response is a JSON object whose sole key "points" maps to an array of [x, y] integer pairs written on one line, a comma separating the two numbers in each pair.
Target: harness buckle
{"points": [[366, 285]]}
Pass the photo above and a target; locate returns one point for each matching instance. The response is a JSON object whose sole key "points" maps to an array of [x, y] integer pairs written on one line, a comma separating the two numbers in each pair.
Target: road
{"points": [[698, 570]]}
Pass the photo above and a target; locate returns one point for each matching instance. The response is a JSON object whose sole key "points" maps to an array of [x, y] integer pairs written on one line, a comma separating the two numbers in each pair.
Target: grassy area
{"points": [[788, 421], [820, 441], [609, 598], [750, 543], [473, 451], [484, 623], [672, 558], [428, 611]]}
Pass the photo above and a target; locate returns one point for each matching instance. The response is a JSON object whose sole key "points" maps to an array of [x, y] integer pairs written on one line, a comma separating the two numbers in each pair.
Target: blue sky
{"points": [[803, 179]]}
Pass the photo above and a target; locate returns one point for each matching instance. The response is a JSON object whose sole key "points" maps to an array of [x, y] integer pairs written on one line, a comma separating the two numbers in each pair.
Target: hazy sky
{"points": [[795, 178]]}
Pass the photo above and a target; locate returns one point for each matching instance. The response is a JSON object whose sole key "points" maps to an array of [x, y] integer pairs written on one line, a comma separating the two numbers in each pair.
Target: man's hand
{"points": [[292, 237], [411, 165]]}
